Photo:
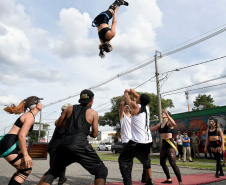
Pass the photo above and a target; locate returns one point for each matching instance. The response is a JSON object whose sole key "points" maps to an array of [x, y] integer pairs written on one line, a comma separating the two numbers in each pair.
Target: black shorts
{"points": [[102, 18], [68, 154], [9, 145], [215, 144]]}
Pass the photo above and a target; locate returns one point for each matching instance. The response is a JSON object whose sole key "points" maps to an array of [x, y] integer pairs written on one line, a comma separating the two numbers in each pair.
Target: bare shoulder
{"points": [[92, 112], [26, 116]]}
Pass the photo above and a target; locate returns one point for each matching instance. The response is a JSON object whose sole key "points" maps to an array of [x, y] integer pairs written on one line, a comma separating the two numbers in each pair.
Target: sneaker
{"points": [[125, 3], [143, 180], [221, 174], [62, 181], [190, 161], [167, 182], [217, 176], [150, 182]]}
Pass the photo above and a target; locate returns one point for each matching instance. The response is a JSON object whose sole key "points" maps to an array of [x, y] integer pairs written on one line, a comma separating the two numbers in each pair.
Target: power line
{"points": [[195, 84], [195, 64], [195, 89], [196, 42], [193, 38], [122, 95], [143, 65]]}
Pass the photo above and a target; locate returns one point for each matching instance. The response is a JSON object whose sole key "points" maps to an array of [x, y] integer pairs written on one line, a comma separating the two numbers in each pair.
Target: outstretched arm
{"points": [[110, 34], [63, 117], [155, 128], [135, 95], [121, 108], [171, 122]]}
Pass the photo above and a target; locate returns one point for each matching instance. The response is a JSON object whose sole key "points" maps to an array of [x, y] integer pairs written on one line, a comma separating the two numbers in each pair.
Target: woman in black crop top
{"points": [[13, 144], [105, 33], [168, 149], [213, 136]]}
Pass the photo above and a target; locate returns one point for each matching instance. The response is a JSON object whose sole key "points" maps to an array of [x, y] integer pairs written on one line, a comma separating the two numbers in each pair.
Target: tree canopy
{"points": [[203, 101], [33, 135], [112, 118]]}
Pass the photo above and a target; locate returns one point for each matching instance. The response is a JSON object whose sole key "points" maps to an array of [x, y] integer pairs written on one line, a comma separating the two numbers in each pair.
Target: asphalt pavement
{"points": [[77, 175]]}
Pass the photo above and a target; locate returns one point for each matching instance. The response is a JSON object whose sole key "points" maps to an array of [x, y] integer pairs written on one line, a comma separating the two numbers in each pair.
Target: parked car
{"points": [[104, 146], [117, 147]]}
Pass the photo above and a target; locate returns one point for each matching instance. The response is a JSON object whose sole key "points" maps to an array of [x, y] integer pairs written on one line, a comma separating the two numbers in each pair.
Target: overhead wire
{"points": [[142, 65], [194, 38], [177, 69], [210, 80], [195, 89]]}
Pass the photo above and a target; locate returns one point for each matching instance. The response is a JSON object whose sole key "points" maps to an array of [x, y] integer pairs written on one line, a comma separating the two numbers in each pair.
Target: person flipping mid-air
{"points": [[105, 33]]}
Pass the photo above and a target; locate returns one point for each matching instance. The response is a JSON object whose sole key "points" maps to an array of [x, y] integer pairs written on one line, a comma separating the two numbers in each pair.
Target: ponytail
{"points": [[22, 107], [15, 109]]}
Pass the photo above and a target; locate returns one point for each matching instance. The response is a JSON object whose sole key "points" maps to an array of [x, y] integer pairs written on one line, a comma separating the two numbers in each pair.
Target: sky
{"points": [[49, 49]]}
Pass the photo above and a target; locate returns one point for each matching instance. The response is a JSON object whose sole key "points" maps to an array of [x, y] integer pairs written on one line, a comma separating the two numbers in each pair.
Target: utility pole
{"points": [[39, 130], [187, 97], [158, 87]]}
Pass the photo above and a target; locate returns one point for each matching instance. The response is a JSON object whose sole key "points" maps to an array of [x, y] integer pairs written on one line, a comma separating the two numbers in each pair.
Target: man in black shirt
{"points": [[54, 143], [77, 120]]}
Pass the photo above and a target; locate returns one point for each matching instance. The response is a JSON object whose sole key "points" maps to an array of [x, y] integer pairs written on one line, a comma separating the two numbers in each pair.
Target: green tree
{"points": [[203, 101], [112, 118], [33, 135]]}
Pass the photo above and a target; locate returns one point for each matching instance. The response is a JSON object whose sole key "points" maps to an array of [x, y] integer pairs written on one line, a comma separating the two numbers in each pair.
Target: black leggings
{"points": [[217, 156], [169, 152], [131, 150]]}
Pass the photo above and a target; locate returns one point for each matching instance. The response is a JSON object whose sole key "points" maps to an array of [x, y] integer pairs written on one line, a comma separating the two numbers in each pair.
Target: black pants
{"points": [[168, 152], [51, 149], [131, 150], [68, 154]]}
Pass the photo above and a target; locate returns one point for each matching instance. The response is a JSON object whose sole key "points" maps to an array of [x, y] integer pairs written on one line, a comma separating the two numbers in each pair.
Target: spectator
{"points": [[224, 155], [186, 148], [195, 142], [179, 144]]}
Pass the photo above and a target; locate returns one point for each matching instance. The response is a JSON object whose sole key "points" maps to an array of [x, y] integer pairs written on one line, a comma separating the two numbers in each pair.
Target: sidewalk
{"points": [[79, 176]]}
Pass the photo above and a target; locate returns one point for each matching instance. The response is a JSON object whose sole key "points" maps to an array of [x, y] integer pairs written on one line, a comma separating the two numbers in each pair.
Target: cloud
{"points": [[76, 41]]}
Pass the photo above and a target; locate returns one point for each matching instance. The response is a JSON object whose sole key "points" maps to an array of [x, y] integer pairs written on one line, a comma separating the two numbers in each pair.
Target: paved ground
{"points": [[78, 176]]}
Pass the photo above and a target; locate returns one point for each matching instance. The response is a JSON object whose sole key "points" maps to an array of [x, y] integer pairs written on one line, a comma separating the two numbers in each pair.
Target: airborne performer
{"points": [[13, 144], [104, 31]]}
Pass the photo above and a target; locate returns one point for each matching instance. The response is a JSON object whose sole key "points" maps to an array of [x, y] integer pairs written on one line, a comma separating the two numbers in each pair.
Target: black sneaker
{"points": [[167, 182], [143, 180], [190, 161], [221, 174], [217, 176], [150, 182], [62, 181]]}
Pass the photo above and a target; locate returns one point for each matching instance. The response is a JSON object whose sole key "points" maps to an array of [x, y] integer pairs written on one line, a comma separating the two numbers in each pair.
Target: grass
{"points": [[198, 163], [94, 145]]}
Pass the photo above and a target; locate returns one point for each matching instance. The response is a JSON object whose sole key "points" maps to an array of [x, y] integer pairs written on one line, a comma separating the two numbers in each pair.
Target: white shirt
{"points": [[125, 129], [140, 127], [179, 141]]}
